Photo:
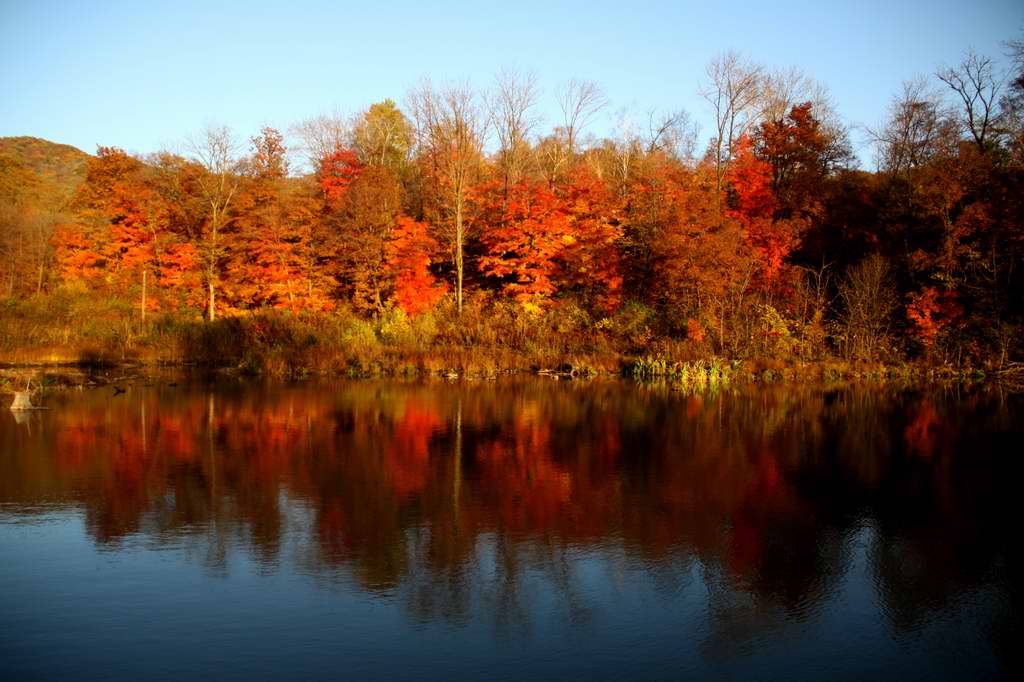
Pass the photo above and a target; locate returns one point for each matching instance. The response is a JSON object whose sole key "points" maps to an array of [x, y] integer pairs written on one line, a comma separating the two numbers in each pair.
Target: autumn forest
{"points": [[456, 225]]}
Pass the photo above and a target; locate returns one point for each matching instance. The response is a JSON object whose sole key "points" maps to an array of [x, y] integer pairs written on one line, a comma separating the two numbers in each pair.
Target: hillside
{"points": [[58, 168]]}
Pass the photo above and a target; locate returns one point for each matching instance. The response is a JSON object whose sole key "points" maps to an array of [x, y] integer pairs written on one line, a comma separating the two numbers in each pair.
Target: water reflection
{"points": [[492, 502]]}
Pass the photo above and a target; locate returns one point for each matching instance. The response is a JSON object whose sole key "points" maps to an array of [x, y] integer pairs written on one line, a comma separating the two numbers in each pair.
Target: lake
{"points": [[524, 528]]}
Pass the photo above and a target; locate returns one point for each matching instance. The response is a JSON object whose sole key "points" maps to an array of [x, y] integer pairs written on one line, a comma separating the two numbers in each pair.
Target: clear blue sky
{"points": [[142, 75]]}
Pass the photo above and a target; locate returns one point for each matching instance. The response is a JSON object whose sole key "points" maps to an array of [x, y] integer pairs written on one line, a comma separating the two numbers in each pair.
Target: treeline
{"points": [[458, 206]]}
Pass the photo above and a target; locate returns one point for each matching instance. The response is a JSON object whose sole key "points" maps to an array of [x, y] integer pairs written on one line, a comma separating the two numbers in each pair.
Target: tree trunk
{"points": [[458, 254], [212, 314], [144, 296]]}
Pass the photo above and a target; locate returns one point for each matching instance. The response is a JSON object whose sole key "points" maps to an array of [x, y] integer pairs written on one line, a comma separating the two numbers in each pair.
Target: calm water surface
{"points": [[521, 529]]}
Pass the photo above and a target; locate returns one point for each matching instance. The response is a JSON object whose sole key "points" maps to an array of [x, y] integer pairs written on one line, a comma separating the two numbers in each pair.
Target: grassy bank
{"points": [[486, 339]]}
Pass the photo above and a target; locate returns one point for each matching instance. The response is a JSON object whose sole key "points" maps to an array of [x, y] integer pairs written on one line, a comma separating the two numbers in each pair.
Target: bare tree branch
{"points": [[580, 101], [977, 85], [511, 112], [733, 91]]}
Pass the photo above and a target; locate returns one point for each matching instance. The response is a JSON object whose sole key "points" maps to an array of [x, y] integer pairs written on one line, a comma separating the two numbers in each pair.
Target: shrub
{"points": [[394, 328]]}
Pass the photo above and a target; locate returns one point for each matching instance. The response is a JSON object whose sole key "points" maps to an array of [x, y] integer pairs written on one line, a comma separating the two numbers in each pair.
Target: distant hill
{"points": [[58, 168]]}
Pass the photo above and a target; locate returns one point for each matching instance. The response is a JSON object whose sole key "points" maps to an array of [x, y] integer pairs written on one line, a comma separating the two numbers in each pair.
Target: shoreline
{"points": [[736, 371]]}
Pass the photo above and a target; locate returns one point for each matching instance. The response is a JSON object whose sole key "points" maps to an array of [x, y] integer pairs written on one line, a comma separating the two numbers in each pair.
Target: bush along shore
{"points": [[484, 341]]}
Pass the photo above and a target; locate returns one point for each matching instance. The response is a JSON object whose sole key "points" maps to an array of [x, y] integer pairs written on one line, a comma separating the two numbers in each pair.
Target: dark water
{"points": [[532, 529]]}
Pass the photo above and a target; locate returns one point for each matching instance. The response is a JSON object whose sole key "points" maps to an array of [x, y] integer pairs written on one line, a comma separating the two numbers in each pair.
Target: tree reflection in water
{"points": [[470, 500]]}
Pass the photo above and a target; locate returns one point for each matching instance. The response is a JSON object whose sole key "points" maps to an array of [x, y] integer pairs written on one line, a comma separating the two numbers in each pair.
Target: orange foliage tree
{"points": [[543, 239], [591, 260], [755, 207], [116, 220], [931, 312], [408, 262], [701, 259], [527, 230], [265, 267]]}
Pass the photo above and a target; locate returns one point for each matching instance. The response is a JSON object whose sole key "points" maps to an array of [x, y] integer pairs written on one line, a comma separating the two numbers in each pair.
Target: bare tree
{"points": [[25, 244], [1011, 104], [11, 245], [627, 146], [977, 85], [814, 297], [869, 301], [41, 225], [322, 135], [919, 128], [733, 90], [511, 107], [450, 130], [674, 133], [781, 89], [216, 150], [550, 155], [580, 101]]}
